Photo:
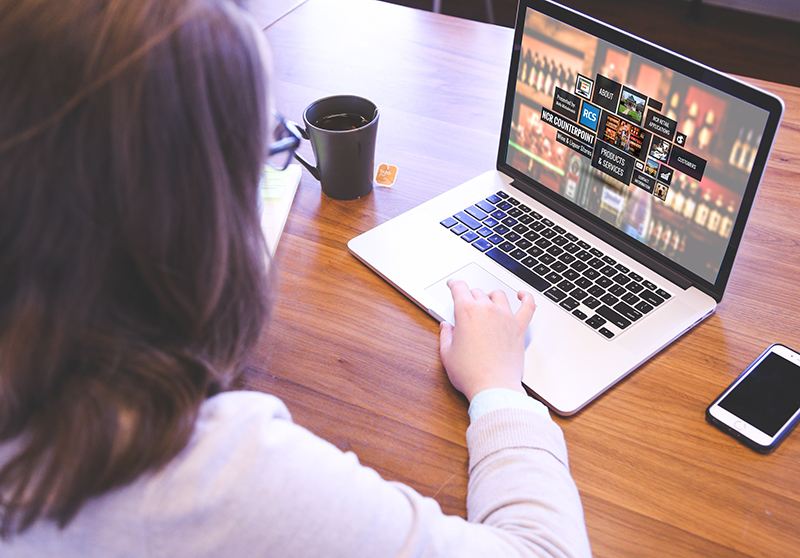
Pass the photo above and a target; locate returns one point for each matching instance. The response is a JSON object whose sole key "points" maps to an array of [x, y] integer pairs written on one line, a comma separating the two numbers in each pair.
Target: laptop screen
{"points": [[646, 142]]}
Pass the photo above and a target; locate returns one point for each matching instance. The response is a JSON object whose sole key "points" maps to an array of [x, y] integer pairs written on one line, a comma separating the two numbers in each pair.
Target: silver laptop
{"points": [[625, 176]]}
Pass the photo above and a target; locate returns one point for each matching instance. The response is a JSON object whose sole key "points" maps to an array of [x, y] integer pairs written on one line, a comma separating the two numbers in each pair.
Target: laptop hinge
{"points": [[605, 235]]}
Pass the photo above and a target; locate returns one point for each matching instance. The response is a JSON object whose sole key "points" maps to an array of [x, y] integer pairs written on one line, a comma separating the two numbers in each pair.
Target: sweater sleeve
{"points": [[252, 483]]}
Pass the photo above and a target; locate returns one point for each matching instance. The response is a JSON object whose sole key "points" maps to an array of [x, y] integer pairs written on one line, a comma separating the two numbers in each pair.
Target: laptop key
{"points": [[518, 254], [634, 287], [609, 299], [595, 321], [482, 244], [630, 298], [515, 267], [506, 246], [606, 332], [614, 317], [596, 291], [649, 285], [627, 311], [469, 236], [569, 303], [595, 263], [643, 307], [570, 274], [568, 257], [486, 206], [556, 294], [578, 314], [449, 222], [468, 220], [553, 277], [651, 297], [495, 239], [604, 282], [663, 294], [617, 290], [579, 294], [476, 212], [541, 269], [530, 261], [622, 279], [459, 228], [566, 286], [591, 303]]}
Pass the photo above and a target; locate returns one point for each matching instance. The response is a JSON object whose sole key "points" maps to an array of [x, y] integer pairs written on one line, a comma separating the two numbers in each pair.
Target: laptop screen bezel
{"points": [[772, 104]]}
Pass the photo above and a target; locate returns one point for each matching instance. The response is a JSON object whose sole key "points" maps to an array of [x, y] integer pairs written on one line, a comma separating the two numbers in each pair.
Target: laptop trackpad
{"points": [[476, 278]]}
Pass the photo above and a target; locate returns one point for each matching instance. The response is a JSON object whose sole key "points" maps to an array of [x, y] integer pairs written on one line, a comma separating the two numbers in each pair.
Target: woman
{"points": [[133, 283]]}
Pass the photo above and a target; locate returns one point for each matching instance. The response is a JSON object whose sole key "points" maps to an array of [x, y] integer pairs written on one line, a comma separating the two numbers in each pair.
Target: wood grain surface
{"points": [[357, 363]]}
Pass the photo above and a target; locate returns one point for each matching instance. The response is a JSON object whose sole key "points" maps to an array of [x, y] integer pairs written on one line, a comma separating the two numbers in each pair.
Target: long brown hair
{"points": [[132, 272]]}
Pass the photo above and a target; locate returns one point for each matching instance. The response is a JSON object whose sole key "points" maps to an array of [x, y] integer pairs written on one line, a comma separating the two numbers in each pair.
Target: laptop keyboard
{"points": [[592, 286]]}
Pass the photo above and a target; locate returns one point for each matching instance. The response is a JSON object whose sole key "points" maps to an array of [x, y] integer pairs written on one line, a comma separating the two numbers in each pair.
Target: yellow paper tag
{"points": [[386, 175]]}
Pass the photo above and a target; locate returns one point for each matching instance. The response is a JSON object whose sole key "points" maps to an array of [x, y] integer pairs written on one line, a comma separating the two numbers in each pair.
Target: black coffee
{"points": [[340, 122]]}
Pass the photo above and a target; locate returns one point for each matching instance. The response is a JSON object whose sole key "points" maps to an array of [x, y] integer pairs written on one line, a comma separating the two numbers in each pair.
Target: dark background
{"points": [[732, 41]]}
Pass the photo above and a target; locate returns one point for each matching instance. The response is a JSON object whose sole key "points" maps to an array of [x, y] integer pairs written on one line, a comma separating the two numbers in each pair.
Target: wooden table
{"points": [[357, 363]]}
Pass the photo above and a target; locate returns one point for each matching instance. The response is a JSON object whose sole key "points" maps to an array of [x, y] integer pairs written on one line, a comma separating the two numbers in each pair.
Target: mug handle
{"points": [[311, 168]]}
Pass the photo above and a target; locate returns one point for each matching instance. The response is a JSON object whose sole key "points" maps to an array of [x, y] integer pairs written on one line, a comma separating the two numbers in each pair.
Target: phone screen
{"points": [[768, 397]]}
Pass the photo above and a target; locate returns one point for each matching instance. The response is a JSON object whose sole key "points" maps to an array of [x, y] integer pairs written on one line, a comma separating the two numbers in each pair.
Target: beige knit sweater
{"points": [[252, 483]]}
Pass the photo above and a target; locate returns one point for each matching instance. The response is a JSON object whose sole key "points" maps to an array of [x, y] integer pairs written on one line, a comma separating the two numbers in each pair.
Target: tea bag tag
{"points": [[386, 175]]}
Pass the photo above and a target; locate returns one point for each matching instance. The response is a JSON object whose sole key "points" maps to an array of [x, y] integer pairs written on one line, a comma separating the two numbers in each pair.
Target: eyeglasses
{"points": [[287, 137]]}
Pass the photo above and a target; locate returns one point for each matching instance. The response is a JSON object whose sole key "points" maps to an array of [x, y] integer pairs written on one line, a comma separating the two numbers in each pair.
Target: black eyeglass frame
{"points": [[287, 139]]}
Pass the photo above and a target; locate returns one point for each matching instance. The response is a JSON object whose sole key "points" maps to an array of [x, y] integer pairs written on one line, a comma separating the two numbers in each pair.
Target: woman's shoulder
{"points": [[234, 406]]}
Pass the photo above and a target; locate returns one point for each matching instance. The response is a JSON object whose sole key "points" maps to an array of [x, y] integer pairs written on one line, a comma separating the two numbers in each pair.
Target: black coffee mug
{"points": [[342, 130]]}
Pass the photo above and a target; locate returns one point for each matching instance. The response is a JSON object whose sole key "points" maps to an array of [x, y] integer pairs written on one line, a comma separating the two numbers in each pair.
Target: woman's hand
{"points": [[485, 348]]}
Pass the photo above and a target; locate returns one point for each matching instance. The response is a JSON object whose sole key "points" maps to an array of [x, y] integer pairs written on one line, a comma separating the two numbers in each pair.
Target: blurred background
{"points": [[762, 42]]}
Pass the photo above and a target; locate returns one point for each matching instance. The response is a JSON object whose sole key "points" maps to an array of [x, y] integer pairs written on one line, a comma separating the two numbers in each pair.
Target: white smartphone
{"points": [[763, 404]]}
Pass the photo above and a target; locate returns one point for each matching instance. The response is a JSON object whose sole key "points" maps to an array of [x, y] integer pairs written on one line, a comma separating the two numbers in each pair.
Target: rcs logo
{"points": [[589, 116]]}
